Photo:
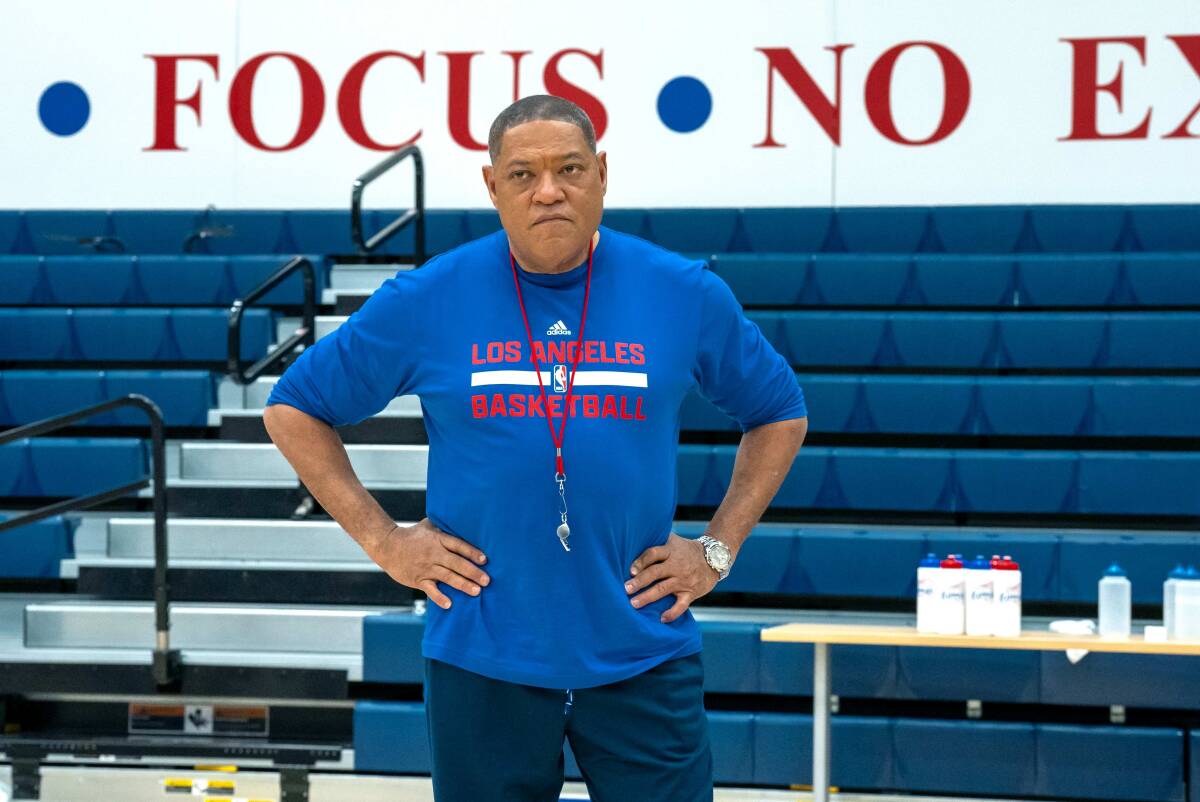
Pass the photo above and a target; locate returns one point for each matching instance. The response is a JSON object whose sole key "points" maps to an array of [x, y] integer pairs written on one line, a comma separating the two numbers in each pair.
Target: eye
{"points": [[519, 175], [571, 169]]}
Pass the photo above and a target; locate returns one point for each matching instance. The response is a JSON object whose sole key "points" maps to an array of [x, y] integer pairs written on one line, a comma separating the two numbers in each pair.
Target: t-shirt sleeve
{"points": [[356, 370], [737, 368]]}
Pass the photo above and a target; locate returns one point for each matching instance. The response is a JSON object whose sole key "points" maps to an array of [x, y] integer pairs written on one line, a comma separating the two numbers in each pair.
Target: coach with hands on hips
{"points": [[561, 595]]}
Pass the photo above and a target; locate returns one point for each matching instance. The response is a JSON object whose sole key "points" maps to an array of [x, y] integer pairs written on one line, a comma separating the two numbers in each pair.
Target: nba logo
{"points": [[560, 378]]}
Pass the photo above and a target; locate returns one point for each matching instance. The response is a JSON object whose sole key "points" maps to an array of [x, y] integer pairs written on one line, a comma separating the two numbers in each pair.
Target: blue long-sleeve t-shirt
{"points": [[451, 332]]}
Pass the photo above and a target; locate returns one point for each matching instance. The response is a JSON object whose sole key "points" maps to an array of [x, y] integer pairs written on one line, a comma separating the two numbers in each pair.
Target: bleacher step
{"points": [[130, 625], [391, 466]]}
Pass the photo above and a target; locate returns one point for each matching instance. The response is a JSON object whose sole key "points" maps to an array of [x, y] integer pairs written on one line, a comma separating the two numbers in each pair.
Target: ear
{"points": [[489, 181], [602, 159]]}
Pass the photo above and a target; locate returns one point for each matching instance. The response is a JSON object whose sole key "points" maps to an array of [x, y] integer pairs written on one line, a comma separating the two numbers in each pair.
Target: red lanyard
{"points": [[556, 438]]}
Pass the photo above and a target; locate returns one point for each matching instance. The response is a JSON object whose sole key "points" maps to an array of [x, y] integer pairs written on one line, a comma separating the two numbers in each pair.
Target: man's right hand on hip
{"points": [[421, 555]]}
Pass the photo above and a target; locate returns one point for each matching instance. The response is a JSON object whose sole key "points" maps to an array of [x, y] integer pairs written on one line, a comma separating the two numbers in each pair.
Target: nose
{"points": [[548, 191]]}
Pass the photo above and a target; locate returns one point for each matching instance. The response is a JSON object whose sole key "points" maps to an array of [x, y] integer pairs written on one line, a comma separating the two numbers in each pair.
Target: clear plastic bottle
{"points": [[928, 573], [951, 614], [1173, 579], [1116, 600], [1187, 606], [980, 598]]}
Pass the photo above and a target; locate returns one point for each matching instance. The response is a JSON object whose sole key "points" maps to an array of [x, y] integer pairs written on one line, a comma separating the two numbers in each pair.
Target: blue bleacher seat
{"points": [[248, 272], [128, 334], [882, 229], [1110, 762], [10, 226], [201, 333], [65, 466], [767, 279], [183, 396], [36, 550], [1146, 556], [861, 279], [444, 230], [788, 230], [1032, 481], [1037, 405], [1067, 280], [930, 339], [124, 334], [861, 751], [731, 735], [392, 648], [989, 675], [32, 395], [908, 404], [1147, 406], [326, 231], [66, 231], [246, 231], [1134, 680], [91, 280], [1167, 228], [481, 222], [186, 280], [958, 280], [1164, 279], [22, 281], [979, 229], [1077, 228], [35, 334], [1058, 340], [154, 231], [893, 479], [852, 561], [1151, 483], [1001, 481], [705, 231], [824, 338], [391, 737], [960, 757], [1155, 340], [628, 221]]}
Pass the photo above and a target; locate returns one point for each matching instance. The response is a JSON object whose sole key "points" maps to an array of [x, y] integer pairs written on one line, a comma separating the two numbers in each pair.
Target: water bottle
{"points": [[1006, 612], [1173, 579], [980, 598], [951, 611], [1187, 606], [1116, 598], [928, 572]]}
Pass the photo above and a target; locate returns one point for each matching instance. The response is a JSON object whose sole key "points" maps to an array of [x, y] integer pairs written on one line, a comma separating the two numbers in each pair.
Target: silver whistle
{"points": [[564, 532]]}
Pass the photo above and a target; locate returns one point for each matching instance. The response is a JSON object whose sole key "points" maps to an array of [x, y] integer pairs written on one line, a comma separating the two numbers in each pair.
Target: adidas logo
{"points": [[559, 328]]}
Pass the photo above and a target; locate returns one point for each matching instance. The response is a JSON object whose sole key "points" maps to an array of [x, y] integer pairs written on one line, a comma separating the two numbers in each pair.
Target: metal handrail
{"points": [[417, 213], [305, 335], [166, 659]]}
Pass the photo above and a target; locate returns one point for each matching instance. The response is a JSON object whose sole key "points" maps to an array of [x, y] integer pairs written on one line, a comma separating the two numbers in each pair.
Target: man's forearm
{"points": [[764, 457], [317, 454]]}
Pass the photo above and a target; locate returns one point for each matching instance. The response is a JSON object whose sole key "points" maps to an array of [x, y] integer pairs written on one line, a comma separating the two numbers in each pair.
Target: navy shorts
{"points": [[644, 738]]}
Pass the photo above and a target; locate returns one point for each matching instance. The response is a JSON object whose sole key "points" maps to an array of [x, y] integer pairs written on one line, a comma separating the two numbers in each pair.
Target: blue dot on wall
{"points": [[684, 104], [64, 108]]}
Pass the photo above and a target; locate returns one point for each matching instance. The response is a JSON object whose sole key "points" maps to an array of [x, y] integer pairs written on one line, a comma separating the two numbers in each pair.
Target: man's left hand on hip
{"points": [[678, 566]]}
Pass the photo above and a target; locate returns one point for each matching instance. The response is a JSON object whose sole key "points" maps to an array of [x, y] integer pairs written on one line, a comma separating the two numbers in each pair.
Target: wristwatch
{"points": [[717, 554]]}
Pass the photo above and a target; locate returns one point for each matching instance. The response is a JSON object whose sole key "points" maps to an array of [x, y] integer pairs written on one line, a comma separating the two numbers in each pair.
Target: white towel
{"points": [[1074, 627]]}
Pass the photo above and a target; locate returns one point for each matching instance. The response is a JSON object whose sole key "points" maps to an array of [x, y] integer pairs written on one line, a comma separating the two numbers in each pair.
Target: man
{"points": [[551, 359]]}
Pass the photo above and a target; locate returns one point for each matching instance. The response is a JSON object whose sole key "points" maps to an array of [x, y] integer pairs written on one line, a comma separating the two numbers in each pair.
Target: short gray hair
{"points": [[539, 107]]}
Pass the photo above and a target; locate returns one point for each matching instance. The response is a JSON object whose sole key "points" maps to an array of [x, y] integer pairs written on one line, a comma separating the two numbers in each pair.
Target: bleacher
{"points": [[1019, 380]]}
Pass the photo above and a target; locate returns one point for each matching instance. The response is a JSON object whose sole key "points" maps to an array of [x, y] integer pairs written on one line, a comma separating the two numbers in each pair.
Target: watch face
{"points": [[719, 556]]}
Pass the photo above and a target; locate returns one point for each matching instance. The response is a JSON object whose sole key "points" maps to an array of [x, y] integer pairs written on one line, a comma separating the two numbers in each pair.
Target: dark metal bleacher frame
{"points": [[303, 336], [414, 215], [166, 659]]}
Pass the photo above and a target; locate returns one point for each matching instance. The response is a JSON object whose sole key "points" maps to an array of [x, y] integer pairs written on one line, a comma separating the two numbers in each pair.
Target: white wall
{"points": [[1011, 146]]}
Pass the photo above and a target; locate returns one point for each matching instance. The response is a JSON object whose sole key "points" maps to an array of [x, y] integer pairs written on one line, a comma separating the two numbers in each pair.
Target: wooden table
{"points": [[822, 635]]}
